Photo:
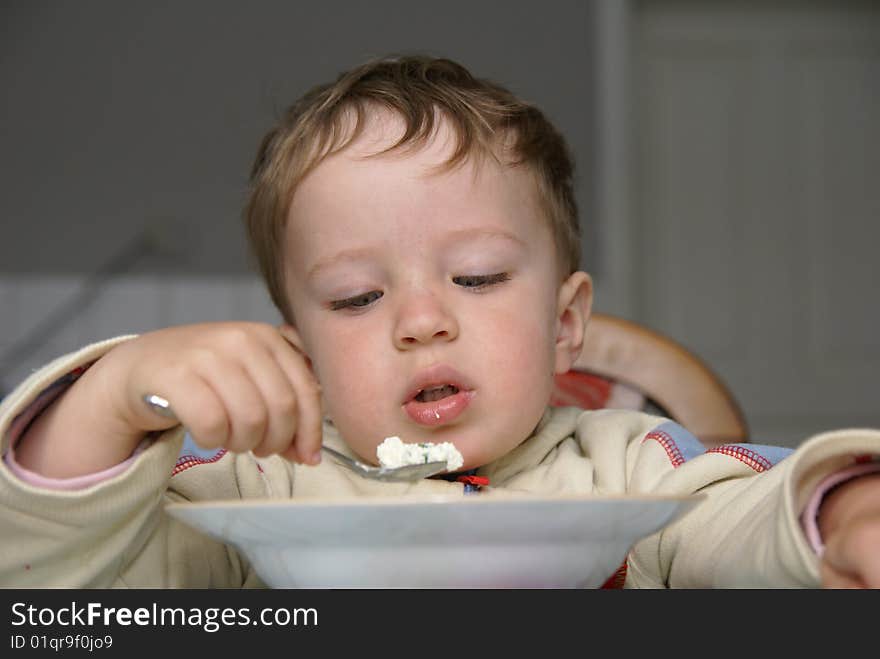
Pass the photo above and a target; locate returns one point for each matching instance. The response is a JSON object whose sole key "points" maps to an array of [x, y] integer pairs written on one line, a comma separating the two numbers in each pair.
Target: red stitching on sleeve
{"points": [[754, 460], [668, 444], [188, 461]]}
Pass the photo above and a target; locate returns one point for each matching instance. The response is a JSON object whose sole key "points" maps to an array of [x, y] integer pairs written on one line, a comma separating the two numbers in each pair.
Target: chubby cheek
{"points": [[519, 367], [353, 387], [520, 340], [524, 352], [531, 382]]}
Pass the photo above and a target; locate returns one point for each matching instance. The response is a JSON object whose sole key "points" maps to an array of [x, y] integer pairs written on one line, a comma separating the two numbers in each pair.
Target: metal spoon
{"points": [[405, 473]]}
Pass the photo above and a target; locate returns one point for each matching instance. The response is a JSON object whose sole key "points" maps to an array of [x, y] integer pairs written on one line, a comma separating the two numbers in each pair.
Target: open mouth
{"points": [[436, 393]]}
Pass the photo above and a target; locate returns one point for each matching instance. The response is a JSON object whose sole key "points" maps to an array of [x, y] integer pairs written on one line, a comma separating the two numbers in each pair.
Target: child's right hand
{"points": [[240, 386]]}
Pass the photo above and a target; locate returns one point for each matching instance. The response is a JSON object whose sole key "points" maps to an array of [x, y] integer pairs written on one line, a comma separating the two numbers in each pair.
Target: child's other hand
{"points": [[850, 523], [239, 386]]}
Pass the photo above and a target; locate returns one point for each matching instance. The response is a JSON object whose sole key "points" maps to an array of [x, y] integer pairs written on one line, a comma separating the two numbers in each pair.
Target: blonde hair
{"points": [[483, 115]]}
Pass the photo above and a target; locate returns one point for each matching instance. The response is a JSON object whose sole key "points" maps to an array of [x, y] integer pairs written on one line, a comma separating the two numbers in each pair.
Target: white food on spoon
{"points": [[393, 452]]}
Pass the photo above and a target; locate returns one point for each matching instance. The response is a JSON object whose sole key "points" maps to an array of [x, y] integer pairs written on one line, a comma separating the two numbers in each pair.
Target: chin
{"points": [[475, 459]]}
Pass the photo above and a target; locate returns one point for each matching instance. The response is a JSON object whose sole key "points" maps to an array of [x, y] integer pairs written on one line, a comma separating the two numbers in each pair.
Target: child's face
{"points": [[430, 305]]}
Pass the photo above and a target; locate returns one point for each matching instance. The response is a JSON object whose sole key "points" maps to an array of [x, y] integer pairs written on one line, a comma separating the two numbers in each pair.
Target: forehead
{"points": [[368, 173]]}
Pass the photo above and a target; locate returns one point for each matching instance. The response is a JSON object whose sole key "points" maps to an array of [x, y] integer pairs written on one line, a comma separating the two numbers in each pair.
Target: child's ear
{"points": [[573, 304]]}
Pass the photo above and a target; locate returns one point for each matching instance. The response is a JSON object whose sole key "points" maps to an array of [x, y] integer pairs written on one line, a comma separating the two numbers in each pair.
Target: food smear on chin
{"points": [[393, 452]]}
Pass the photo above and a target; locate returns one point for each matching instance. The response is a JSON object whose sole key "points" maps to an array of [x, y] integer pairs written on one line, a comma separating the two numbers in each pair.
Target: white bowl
{"points": [[471, 541]]}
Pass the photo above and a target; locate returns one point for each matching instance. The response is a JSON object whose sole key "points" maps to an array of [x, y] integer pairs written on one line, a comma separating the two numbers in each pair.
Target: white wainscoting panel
{"points": [[123, 305]]}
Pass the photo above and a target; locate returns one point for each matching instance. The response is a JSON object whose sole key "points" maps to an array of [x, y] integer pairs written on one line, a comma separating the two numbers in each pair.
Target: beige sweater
{"points": [[745, 533]]}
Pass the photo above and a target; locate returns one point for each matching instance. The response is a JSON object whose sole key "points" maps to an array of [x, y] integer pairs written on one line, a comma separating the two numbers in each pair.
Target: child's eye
{"points": [[480, 281], [356, 302]]}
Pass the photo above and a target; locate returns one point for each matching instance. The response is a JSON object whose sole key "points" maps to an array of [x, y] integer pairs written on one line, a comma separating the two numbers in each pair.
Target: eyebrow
{"points": [[463, 235], [355, 254], [458, 236]]}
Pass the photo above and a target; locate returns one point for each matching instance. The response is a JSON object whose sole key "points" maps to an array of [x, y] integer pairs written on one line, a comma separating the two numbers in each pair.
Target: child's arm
{"points": [[849, 520], [241, 386]]}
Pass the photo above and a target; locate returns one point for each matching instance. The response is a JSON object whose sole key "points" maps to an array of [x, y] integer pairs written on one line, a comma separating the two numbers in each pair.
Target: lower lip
{"points": [[438, 412]]}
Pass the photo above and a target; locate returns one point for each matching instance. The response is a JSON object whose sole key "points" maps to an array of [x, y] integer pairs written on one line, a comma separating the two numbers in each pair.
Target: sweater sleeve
{"points": [[113, 532], [746, 531], [809, 518], [20, 424], [749, 532]]}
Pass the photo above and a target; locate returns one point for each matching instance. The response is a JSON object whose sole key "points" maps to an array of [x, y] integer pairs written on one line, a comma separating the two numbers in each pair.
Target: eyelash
{"points": [[357, 302], [471, 282], [479, 282]]}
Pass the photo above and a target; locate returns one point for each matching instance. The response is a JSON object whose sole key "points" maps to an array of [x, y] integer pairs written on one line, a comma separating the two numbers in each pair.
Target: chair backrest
{"points": [[624, 364]]}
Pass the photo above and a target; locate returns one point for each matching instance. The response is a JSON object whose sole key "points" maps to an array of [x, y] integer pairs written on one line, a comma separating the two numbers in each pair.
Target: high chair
{"points": [[627, 365]]}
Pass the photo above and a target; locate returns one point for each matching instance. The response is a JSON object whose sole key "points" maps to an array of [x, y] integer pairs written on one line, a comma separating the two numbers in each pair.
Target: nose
{"points": [[423, 319]]}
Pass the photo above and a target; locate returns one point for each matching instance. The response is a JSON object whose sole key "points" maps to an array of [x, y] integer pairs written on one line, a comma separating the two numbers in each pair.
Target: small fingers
{"points": [[834, 579], [197, 406], [233, 417], [243, 387], [289, 395], [281, 400], [306, 445], [852, 555]]}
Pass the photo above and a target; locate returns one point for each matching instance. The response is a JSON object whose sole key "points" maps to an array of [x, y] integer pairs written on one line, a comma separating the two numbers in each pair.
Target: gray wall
{"points": [[125, 116]]}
